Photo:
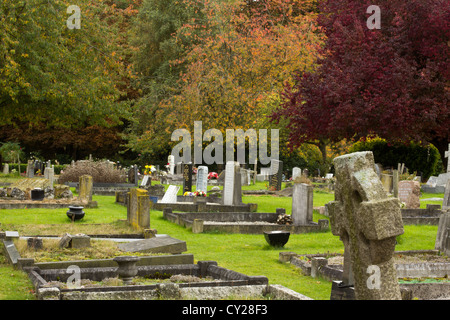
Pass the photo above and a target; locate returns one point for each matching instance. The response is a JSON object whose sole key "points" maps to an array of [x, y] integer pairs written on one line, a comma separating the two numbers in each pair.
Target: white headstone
{"points": [[329, 176], [202, 178], [6, 169], [228, 186], [266, 173], [50, 172], [171, 194], [171, 161], [296, 172], [144, 181]]}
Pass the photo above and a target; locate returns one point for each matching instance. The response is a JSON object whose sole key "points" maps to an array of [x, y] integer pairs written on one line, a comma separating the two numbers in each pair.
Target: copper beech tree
{"points": [[392, 82]]}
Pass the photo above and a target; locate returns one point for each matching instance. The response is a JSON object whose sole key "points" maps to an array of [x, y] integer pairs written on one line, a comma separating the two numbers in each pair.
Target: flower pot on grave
{"points": [[75, 213], [37, 194], [127, 268], [277, 238]]}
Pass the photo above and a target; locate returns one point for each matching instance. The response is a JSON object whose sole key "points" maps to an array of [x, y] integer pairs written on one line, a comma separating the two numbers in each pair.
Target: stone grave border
{"points": [[238, 222], [104, 189], [46, 204], [316, 265], [98, 269]]}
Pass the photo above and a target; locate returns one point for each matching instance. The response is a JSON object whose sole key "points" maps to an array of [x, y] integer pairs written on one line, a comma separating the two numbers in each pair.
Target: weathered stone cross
{"points": [[367, 221]]}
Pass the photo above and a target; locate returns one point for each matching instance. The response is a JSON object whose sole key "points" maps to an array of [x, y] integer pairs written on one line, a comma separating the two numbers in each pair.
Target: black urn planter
{"points": [[37, 194], [75, 213], [277, 238]]}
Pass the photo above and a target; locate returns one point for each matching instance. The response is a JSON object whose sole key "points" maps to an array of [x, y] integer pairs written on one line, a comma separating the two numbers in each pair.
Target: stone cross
{"points": [[447, 155], [367, 222]]}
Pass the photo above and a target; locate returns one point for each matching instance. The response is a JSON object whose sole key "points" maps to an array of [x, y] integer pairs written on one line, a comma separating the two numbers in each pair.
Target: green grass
{"points": [[248, 254]]}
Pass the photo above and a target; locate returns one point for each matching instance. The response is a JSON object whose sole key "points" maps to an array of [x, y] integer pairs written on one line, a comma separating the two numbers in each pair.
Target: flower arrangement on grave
{"points": [[213, 175], [149, 169], [194, 170], [195, 194]]}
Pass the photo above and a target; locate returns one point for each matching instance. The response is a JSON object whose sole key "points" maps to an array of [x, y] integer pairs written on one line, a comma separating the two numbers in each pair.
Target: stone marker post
{"points": [[138, 209], [367, 221], [85, 188]]}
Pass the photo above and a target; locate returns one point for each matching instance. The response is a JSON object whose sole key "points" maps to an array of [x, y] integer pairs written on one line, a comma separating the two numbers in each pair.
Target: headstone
{"points": [[171, 160], [265, 172], [202, 179], [367, 222], [187, 177], [432, 181], [302, 204], [447, 155], [30, 169], [446, 202], [232, 185], [178, 168], [138, 209], [329, 176], [50, 176], [296, 172], [6, 169], [276, 168], [133, 177], [442, 179], [86, 187], [146, 181], [171, 194], [158, 244], [409, 193], [395, 183]]}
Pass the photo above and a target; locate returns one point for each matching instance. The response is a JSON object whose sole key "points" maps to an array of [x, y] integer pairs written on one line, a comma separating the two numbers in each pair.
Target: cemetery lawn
{"points": [[248, 254]]}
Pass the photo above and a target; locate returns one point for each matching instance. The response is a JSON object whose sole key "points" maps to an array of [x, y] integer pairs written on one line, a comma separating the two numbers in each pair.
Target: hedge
{"points": [[422, 159]]}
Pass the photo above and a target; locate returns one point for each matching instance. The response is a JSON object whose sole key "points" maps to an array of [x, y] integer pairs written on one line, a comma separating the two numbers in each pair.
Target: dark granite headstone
{"points": [[187, 177]]}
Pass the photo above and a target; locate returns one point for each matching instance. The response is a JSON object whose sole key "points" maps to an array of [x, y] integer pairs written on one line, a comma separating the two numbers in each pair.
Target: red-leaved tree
{"points": [[393, 82]]}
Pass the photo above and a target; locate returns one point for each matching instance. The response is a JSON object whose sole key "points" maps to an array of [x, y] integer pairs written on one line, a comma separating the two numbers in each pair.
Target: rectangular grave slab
{"points": [[158, 244]]}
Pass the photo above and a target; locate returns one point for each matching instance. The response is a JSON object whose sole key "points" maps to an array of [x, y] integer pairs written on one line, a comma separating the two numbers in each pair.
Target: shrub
{"points": [[99, 170], [416, 157]]}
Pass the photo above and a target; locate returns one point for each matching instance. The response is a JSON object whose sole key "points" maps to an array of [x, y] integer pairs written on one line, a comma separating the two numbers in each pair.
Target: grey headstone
{"points": [[302, 204], [296, 172]]}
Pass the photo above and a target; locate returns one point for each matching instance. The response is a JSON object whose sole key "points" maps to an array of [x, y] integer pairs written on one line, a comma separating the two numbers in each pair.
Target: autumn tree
{"points": [[239, 56], [392, 81]]}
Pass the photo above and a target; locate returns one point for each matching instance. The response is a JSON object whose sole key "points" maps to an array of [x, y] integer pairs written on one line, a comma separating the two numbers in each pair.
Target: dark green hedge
{"points": [[416, 157]]}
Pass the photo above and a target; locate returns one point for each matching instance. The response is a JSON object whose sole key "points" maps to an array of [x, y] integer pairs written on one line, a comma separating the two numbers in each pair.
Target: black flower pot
{"points": [[277, 238], [37, 194], [75, 213]]}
